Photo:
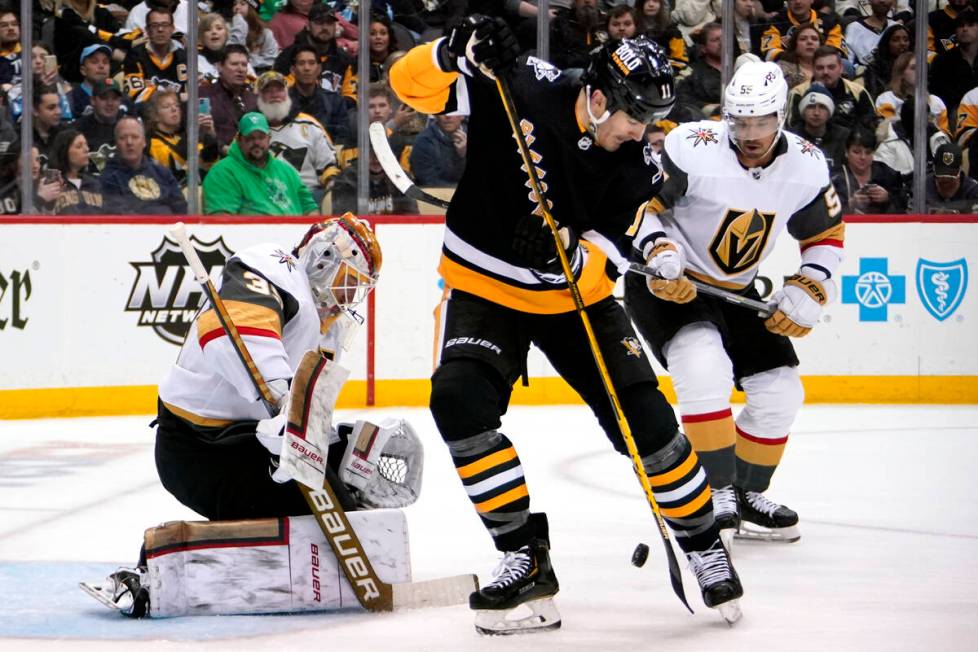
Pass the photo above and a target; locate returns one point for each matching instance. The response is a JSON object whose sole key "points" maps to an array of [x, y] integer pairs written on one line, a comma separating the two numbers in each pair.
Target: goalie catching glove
{"points": [[383, 464], [799, 305], [667, 259], [486, 43]]}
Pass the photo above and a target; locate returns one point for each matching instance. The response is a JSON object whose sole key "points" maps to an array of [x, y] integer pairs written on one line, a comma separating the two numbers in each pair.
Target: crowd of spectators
{"points": [[110, 115]]}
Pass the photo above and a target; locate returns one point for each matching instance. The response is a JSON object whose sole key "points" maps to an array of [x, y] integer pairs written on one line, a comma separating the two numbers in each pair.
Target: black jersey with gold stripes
{"points": [[594, 191], [145, 72]]}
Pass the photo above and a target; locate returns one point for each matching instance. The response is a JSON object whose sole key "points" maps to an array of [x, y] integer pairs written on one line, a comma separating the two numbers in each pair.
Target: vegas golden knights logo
{"points": [[740, 240]]}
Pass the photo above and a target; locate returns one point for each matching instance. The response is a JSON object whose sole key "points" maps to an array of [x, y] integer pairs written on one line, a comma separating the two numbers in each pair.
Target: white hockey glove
{"points": [[383, 464], [800, 302], [667, 258], [271, 433]]}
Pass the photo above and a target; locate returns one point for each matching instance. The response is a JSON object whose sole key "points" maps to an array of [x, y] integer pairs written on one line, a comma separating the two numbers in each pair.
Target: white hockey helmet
{"points": [[757, 89], [342, 259]]}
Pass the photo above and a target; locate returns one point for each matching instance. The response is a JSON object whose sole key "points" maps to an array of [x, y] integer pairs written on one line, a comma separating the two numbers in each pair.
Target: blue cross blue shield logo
{"points": [[941, 286], [874, 289]]}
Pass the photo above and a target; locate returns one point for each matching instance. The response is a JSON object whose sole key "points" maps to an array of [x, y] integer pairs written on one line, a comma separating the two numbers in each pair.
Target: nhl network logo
{"points": [[165, 293]]}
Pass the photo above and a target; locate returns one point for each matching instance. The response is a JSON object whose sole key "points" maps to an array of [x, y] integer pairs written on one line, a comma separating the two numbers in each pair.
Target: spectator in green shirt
{"points": [[249, 181]]}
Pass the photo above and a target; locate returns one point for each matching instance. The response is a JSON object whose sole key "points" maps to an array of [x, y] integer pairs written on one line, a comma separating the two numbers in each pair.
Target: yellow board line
{"points": [[141, 399]]}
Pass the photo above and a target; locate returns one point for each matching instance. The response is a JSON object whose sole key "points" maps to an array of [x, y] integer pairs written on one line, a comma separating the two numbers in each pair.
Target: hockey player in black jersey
{"points": [[507, 290]]}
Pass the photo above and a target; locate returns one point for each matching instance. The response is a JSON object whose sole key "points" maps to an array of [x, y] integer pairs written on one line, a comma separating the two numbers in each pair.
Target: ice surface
{"points": [[886, 562]]}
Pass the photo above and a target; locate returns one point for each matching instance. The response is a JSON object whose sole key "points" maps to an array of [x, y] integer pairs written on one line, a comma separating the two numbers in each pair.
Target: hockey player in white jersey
{"points": [[217, 448], [732, 188]]}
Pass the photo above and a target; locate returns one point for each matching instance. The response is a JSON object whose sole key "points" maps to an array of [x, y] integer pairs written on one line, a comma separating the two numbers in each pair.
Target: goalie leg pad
{"points": [[265, 566]]}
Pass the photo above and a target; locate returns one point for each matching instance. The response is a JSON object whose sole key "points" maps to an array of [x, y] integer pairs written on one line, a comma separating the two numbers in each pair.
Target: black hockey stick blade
{"points": [[676, 577], [393, 169]]}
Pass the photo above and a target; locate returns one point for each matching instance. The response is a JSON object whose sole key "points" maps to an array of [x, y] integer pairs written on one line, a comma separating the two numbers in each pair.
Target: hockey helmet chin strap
{"points": [[594, 122]]}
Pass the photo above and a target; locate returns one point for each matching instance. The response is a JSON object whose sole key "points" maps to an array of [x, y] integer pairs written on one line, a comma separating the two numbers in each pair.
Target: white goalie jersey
{"points": [[271, 303], [728, 217]]}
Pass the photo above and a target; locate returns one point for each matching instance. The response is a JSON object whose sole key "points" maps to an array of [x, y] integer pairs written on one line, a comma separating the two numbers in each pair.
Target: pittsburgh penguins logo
{"points": [[632, 347], [293, 156], [739, 241], [144, 188]]}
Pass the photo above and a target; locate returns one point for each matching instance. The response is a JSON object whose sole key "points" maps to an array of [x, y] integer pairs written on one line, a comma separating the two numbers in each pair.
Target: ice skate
{"points": [[123, 591], [718, 580], [762, 519], [520, 598], [727, 513]]}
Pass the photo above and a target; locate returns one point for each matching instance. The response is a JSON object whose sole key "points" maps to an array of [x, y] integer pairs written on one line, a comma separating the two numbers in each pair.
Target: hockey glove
{"points": [[383, 464], [486, 43], [271, 434], [533, 242], [668, 259], [800, 304]]}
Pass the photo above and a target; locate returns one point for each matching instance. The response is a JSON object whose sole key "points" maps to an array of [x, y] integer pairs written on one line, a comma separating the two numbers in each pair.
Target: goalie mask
{"points": [[342, 259], [635, 76]]}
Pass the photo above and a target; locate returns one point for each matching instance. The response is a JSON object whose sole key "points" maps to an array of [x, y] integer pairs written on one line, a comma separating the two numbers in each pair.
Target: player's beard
{"points": [[277, 111]]}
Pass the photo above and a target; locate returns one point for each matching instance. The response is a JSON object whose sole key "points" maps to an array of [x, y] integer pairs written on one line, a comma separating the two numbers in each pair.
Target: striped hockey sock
{"points": [[492, 475], [682, 492], [714, 437], [757, 458]]}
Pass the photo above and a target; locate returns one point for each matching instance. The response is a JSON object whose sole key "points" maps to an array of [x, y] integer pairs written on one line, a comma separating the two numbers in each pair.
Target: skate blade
{"points": [[542, 616], [730, 611], [727, 537], [754, 532], [99, 594]]}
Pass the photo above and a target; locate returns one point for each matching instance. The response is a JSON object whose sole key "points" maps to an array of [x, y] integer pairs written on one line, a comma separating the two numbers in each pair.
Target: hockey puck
{"points": [[640, 555]]}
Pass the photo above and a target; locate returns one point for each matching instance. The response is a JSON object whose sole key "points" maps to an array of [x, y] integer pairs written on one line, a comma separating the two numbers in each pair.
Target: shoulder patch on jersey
{"points": [[702, 135], [305, 117], [807, 147], [543, 69], [284, 258]]}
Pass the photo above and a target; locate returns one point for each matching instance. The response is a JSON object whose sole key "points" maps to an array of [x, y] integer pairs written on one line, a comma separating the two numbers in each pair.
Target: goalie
{"points": [[217, 451]]}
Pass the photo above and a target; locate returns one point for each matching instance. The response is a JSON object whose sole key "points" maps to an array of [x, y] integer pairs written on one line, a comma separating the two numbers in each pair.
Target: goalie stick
{"points": [[393, 169], [763, 309], [372, 593]]}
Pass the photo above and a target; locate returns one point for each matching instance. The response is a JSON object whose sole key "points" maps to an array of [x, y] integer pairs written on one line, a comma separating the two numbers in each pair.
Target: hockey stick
{"points": [[393, 169], [674, 573], [372, 593], [763, 309]]}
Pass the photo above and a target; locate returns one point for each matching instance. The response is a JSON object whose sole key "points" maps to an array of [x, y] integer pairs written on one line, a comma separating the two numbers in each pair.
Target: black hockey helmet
{"points": [[635, 76]]}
